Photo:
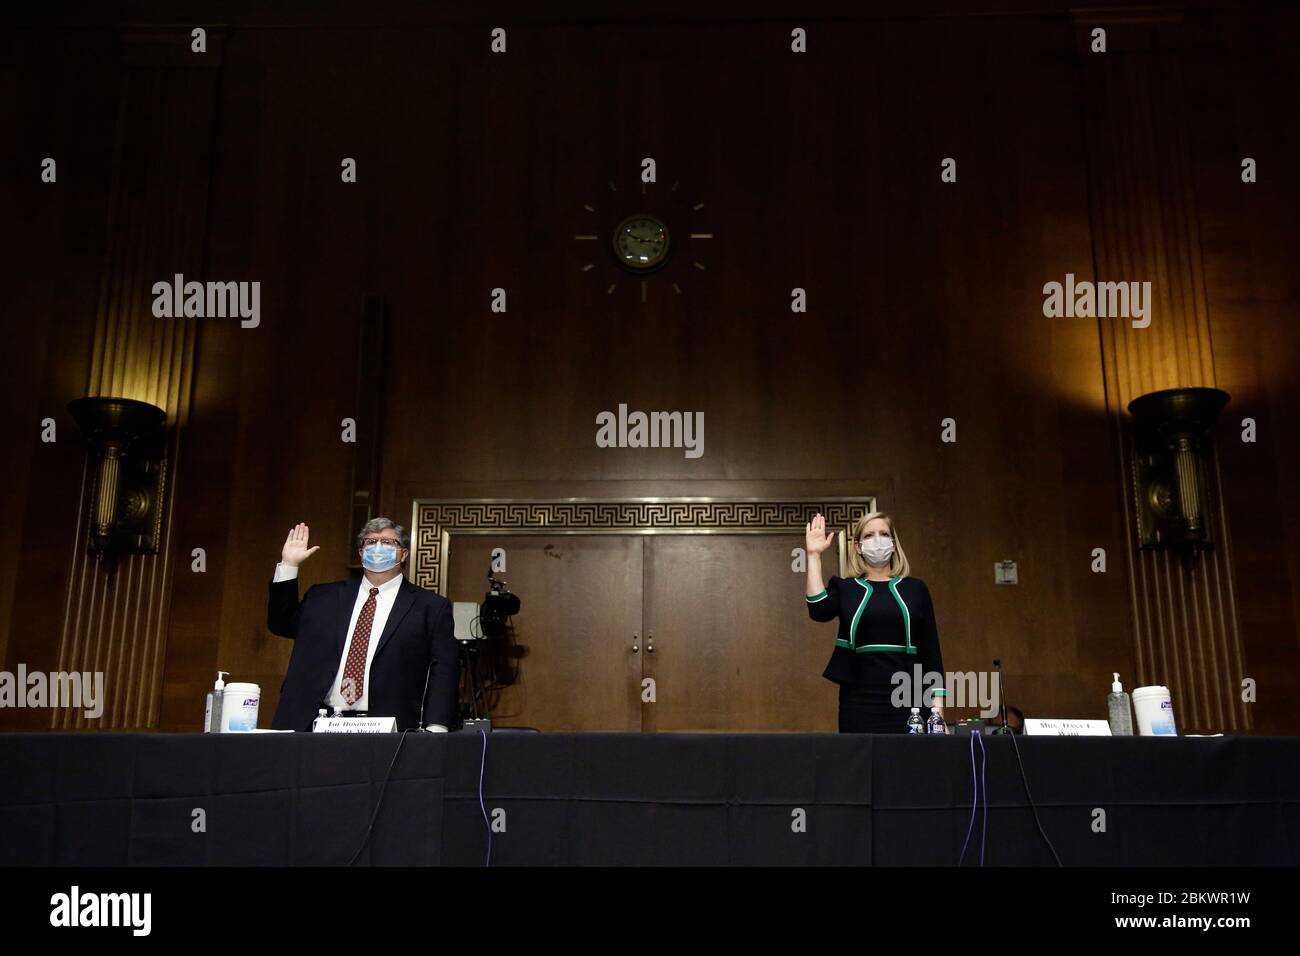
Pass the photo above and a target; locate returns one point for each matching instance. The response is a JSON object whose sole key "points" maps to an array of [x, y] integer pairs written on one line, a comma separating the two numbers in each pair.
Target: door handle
{"points": [[635, 646], [649, 643]]}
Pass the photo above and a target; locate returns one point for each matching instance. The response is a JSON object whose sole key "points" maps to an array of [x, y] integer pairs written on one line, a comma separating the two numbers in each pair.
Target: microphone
{"points": [[1002, 698], [419, 718]]}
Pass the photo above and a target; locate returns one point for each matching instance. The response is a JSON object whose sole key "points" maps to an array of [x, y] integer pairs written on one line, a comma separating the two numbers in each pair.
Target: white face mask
{"points": [[877, 550]]}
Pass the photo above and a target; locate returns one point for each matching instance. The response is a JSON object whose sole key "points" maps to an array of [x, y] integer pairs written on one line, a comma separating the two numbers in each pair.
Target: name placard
{"points": [[1053, 727], [354, 725]]}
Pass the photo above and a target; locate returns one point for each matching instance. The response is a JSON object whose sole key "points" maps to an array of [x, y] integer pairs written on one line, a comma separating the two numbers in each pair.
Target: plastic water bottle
{"points": [[935, 725], [914, 725]]}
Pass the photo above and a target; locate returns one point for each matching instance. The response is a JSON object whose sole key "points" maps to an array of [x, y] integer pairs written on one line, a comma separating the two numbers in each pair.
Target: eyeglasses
{"points": [[393, 541]]}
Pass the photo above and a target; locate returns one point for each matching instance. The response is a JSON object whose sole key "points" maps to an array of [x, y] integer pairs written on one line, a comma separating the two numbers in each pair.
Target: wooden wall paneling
{"points": [[807, 179], [733, 647], [1243, 99], [58, 92], [372, 347], [580, 616]]}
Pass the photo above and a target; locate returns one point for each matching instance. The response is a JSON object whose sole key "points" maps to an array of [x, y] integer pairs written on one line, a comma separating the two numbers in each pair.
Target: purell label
{"points": [[1163, 726]]}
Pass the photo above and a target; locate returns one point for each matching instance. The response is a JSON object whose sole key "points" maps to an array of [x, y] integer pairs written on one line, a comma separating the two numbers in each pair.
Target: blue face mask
{"points": [[379, 557]]}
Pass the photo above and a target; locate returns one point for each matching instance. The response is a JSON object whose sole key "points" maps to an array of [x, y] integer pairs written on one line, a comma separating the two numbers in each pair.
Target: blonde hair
{"points": [[857, 565]]}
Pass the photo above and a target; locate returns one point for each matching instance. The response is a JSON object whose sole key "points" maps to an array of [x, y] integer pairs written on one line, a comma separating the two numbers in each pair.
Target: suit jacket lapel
{"points": [[401, 604]]}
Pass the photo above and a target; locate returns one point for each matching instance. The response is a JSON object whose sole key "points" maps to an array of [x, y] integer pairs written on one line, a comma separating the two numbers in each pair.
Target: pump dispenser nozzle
{"points": [[212, 707]]}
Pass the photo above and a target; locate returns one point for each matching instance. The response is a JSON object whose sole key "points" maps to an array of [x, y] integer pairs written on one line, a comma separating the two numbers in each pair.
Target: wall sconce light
{"points": [[1172, 442], [126, 438]]}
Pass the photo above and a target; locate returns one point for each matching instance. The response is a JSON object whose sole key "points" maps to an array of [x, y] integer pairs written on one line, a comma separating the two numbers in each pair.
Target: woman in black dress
{"points": [[886, 627]]}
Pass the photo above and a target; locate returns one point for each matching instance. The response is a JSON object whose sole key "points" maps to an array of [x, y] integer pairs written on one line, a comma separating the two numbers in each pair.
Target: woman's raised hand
{"points": [[816, 540]]}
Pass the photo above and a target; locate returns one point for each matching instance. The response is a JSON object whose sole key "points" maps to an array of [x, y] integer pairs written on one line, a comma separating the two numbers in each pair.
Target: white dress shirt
{"points": [[383, 606]]}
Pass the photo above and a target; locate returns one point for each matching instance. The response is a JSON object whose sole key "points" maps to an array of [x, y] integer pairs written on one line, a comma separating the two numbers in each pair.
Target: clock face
{"points": [[641, 243]]}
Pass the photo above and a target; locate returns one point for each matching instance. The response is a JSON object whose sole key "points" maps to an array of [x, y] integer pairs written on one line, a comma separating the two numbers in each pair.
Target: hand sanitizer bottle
{"points": [[1120, 713], [914, 725], [212, 709]]}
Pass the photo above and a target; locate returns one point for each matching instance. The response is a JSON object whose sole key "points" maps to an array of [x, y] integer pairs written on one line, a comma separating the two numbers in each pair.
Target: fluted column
{"points": [[116, 612], [1144, 225]]}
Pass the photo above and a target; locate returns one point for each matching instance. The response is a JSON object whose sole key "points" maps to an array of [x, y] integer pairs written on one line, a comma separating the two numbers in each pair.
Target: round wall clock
{"points": [[641, 243], [644, 251]]}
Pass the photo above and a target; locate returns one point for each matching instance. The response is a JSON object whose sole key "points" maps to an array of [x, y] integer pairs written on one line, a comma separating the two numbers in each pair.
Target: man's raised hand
{"points": [[295, 550]]}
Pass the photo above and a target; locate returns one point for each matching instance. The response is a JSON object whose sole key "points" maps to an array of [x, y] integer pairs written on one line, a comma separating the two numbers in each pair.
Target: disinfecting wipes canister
{"points": [[1155, 712], [239, 707]]}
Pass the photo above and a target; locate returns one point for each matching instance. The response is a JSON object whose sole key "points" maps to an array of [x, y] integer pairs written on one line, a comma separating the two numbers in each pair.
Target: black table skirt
{"points": [[659, 799]]}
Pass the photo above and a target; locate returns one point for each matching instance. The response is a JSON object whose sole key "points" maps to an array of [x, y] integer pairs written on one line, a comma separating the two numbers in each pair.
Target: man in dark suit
{"points": [[366, 644]]}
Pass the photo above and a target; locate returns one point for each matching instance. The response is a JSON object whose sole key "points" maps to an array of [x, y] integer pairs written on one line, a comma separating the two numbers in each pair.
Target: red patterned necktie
{"points": [[353, 684]]}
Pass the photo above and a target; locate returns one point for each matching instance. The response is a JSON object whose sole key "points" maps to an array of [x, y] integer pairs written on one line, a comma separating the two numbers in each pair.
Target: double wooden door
{"points": [[690, 632]]}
